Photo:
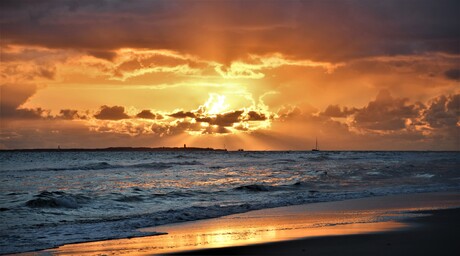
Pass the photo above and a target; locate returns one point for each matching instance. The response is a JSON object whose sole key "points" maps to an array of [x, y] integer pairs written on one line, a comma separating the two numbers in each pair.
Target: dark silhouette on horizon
{"points": [[185, 148], [316, 146]]}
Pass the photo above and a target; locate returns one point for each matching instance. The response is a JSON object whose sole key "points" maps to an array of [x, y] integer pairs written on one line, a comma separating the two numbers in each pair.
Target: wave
{"points": [[283, 161], [56, 199], [140, 195], [106, 165], [255, 188], [90, 166], [162, 165], [190, 193], [129, 225], [130, 199], [285, 187], [319, 158]]}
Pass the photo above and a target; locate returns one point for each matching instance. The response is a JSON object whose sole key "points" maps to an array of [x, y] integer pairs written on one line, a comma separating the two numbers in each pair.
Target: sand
{"points": [[367, 226], [436, 234]]}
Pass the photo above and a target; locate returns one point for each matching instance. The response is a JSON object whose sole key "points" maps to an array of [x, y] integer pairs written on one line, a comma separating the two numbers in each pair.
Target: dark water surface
{"points": [[53, 198]]}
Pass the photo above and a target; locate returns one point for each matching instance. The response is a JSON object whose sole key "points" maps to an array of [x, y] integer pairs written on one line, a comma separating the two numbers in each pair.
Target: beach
{"points": [[387, 225], [436, 234]]}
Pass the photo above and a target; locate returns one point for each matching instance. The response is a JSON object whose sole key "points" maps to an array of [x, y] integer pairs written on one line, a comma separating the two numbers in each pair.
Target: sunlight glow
{"points": [[216, 104]]}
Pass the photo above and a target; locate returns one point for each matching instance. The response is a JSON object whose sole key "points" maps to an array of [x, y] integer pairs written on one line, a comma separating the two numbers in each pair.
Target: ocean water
{"points": [[53, 198]]}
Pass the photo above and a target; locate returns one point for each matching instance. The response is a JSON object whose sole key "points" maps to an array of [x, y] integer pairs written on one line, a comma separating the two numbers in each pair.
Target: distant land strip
{"points": [[113, 149]]}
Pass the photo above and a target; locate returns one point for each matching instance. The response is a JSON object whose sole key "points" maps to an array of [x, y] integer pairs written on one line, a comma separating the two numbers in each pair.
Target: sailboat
{"points": [[316, 146]]}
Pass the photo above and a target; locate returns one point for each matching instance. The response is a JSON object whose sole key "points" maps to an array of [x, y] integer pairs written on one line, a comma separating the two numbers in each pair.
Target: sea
{"points": [[49, 199]]}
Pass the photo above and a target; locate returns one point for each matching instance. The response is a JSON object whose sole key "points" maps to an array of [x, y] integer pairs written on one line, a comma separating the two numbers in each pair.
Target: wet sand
{"points": [[372, 226], [436, 234]]}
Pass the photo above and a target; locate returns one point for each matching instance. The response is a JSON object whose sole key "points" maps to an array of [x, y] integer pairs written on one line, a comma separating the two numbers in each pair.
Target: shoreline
{"points": [[436, 233], [354, 216]]}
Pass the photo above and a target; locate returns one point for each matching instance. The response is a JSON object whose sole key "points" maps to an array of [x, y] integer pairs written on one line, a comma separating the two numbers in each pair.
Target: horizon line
{"points": [[164, 148]]}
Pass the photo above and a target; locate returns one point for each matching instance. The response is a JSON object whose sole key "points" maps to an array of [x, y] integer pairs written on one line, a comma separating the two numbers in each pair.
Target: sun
{"points": [[216, 104]]}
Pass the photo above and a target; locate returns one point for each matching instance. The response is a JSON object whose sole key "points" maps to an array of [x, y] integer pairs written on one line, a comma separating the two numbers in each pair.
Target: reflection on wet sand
{"points": [[183, 240], [356, 216], [232, 231]]}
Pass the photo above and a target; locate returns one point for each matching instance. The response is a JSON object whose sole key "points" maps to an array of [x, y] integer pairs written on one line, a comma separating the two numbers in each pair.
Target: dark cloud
{"points": [[147, 114], [335, 111], [453, 74], [106, 55], [182, 127], [182, 114], [69, 114], [47, 72], [215, 123], [159, 129], [453, 104], [255, 116], [31, 113], [185, 122], [111, 113], [205, 119], [443, 112], [227, 30], [386, 113], [13, 96], [227, 119]]}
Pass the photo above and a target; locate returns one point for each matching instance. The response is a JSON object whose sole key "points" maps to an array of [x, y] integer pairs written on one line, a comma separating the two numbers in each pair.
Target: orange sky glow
{"points": [[258, 75]]}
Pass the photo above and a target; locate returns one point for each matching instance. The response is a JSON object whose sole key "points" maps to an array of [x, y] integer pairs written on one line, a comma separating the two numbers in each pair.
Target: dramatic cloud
{"points": [[134, 63], [335, 111], [252, 74], [182, 114], [228, 29], [444, 111], [386, 113], [106, 55], [12, 97], [254, 66], [147, 114], [111, 113], [255, 116], [226, 119], [69, 114]]}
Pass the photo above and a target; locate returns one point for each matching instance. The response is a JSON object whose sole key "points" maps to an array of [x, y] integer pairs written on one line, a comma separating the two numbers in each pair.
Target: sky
{"points": [[254, 74]]}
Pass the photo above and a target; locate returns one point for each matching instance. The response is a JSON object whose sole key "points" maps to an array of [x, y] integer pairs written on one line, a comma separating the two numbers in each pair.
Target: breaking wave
{"points": [[56, 199], [106, 165], [255, 188]]}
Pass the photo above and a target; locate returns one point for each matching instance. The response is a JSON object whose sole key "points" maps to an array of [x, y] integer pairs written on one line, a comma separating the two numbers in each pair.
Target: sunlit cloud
{"points": [[213, 117], [272, 74], [256, 65]]}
